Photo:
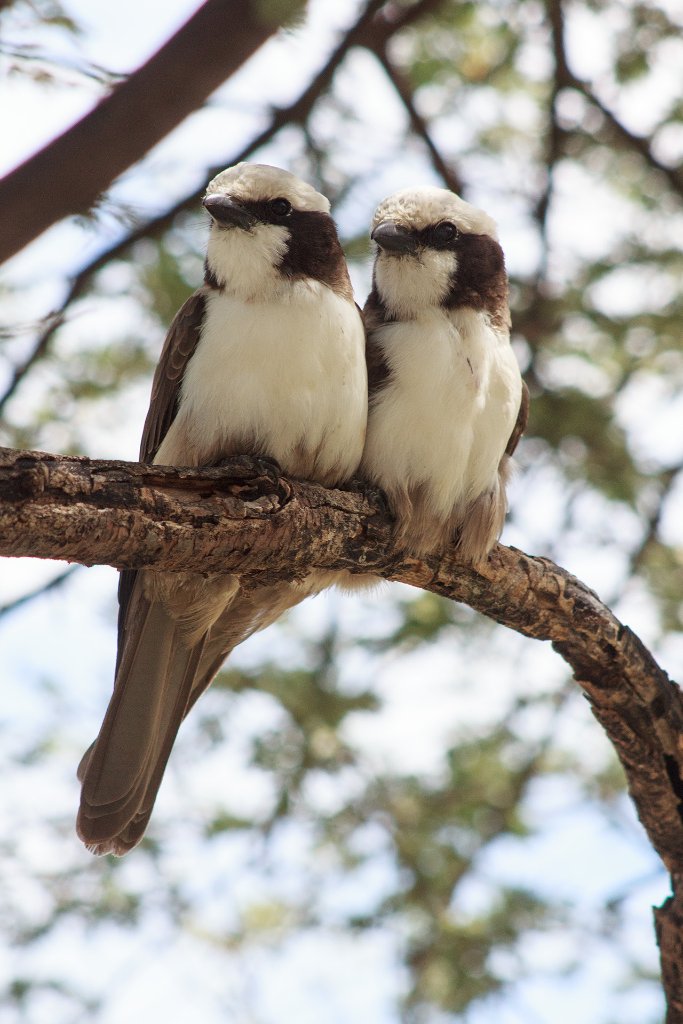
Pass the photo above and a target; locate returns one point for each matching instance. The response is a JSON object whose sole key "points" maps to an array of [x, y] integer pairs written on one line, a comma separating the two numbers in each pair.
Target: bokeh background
{"points": [[386, 808]]}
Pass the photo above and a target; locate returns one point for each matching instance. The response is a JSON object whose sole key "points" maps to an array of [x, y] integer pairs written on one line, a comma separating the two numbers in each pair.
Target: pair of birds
{"points": [[271, 357]]}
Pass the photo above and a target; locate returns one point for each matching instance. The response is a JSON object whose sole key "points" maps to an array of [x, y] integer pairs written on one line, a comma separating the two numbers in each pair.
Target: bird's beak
{"points": [[228, 213], [394, 238]]}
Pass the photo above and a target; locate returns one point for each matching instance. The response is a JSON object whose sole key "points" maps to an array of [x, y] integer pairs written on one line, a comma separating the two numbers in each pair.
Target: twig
{"points": [[54, 584], [445, 170], [566, 79]]}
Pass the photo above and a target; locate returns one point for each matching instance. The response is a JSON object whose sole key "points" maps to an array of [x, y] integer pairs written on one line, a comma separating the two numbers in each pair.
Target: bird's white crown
{"points": [[258, 182], [417, 208]]}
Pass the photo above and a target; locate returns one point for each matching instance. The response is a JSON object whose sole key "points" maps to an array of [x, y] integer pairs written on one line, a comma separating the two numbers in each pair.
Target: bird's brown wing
{"points": [[374, 316], [521, 422], [178, 348], [378, 368]]}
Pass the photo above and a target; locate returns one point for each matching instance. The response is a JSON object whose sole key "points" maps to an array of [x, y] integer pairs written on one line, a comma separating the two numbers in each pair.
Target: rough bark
{"points": [[67, 175], [245, 517], [669, 928]]}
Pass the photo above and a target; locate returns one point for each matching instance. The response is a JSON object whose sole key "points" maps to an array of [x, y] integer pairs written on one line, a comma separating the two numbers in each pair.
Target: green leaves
{"points": [[588, 442]]}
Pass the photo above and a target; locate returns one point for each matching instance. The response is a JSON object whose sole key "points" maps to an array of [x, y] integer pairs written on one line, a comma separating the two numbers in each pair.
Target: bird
{"points": [[266, 359], [447, 404]]}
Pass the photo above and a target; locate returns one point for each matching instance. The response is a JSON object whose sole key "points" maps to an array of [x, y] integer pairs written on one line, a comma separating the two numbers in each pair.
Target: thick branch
{"points": [[68, 174], [246, 518], [131, 515]]}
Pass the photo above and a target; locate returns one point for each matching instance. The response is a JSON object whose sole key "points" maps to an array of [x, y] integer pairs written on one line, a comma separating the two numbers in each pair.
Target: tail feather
{"points": [[250, 612], [122, 771], [159, 678]]}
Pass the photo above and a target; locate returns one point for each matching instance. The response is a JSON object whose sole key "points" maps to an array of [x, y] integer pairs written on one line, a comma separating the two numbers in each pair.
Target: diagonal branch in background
{"points": [[371, 30], [640, 144], [553, 152], [67, 175], [419, 125], [45, 588], [566, 79]]}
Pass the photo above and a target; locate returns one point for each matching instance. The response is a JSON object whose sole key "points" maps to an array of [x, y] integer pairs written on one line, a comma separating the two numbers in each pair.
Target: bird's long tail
{"points": [[121, 772], [158, 680]]}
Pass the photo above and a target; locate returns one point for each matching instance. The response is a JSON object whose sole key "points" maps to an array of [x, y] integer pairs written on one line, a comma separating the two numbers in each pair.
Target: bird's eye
{"points": [[445, 232], [281, 207]]}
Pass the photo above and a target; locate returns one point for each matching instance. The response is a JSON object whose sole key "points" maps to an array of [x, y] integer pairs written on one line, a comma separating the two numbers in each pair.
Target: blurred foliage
{"points": [[596, 317]]}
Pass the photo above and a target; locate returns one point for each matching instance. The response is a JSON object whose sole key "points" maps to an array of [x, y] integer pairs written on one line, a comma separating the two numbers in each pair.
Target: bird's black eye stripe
{"points": [[445, 232], [280, 207]]}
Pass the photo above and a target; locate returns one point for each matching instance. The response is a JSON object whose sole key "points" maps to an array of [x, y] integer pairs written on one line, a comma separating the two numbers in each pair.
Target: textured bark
{"points": [[242, 517], [245, 517], [669, 927]]}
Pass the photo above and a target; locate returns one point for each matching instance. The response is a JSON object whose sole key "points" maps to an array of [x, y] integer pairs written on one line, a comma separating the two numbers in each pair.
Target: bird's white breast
{"points": [[289, 373], [445, 416]]}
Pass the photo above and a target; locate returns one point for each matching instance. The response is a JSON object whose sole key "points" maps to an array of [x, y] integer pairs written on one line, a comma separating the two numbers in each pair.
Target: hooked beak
{"points": [[229, 213], [394, 238]]}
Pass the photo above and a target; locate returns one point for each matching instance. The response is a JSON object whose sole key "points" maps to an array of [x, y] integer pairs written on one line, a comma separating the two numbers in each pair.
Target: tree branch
{"points": [[446, 171], [566, 79], [67, 175], [245, 518], [54, 584]]}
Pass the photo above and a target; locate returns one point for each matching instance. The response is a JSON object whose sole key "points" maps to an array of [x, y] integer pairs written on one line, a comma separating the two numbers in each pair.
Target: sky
{"points": [[332, 978]]}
